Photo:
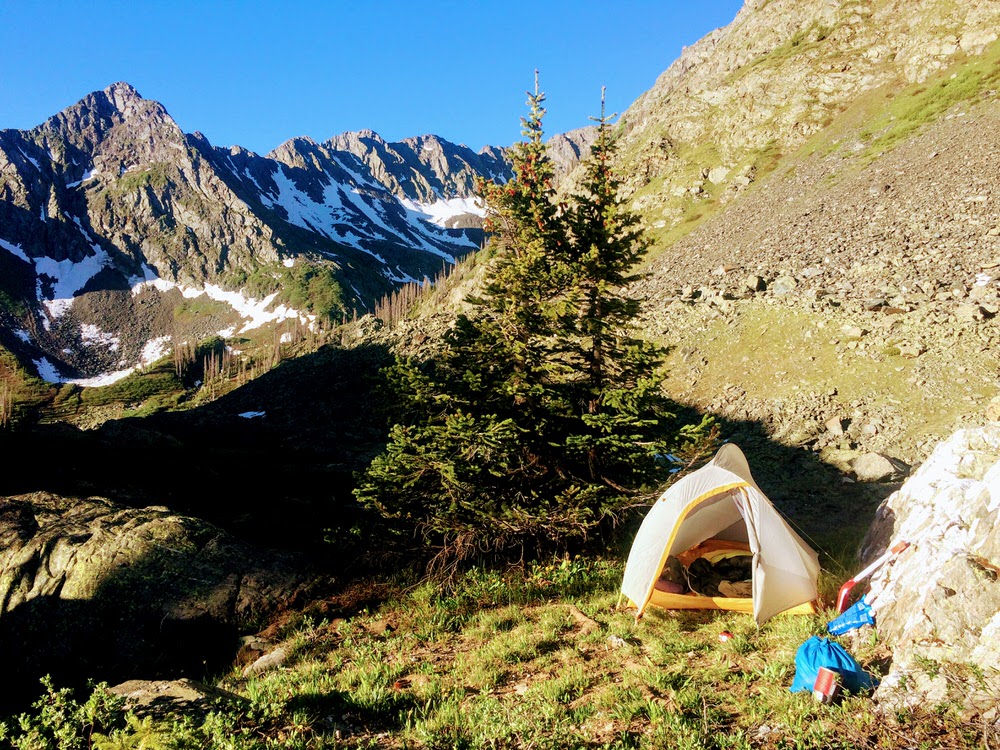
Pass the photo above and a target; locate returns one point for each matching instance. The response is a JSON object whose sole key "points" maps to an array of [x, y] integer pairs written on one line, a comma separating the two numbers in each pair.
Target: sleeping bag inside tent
{"points": [[713, 540]]}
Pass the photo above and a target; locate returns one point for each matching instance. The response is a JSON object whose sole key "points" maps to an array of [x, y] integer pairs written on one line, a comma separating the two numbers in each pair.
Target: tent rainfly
{"points": [[719, 509]]}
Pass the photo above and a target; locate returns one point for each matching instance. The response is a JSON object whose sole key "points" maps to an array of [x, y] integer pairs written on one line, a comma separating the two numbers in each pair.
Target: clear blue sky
{"points": [[256, 73]]}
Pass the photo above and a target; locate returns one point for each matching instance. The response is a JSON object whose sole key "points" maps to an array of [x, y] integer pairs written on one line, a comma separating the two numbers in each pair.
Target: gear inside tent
{"points": [[708, 529]]}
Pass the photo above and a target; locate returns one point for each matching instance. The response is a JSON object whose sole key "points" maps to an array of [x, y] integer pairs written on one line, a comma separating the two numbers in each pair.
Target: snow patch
{"points": [[399, 276], [94, 336], [68, 277], [252, 414], [446, 208], [337, 216], [47, 371], [304, 212], [156, 349], [103, 379], [259, 312], [33, 161], [88, 175]]}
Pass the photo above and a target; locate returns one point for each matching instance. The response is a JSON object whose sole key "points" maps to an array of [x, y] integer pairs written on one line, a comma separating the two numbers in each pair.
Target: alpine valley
{"points": [[191, 338], [112, 218]]}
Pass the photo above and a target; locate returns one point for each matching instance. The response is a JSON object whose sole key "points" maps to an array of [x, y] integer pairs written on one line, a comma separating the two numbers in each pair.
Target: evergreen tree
{"points": [[621, 409], [541, 418]]}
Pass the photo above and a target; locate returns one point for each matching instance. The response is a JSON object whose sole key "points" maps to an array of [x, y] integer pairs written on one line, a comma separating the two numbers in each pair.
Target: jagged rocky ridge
{"points": [[111, 216]]}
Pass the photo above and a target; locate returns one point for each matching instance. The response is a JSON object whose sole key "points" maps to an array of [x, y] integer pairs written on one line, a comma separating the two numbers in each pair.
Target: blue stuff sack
{"points": [[854, 617], [819, 652]]}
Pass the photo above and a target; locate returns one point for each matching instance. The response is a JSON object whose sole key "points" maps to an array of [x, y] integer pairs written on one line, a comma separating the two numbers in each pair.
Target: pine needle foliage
{"points": [[542, 420]]}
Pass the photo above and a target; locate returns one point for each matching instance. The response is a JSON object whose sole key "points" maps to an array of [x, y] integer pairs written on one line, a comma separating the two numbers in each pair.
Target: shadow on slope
{"points": [[280, 476], [274, 462], [828, 509], [143, 621]]}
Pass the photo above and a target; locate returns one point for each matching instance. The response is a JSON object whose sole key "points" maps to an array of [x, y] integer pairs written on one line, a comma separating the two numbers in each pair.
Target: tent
{"points": [[716, 511]]}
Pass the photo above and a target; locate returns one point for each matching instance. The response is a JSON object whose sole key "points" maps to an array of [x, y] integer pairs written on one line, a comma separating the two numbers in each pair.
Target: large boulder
{"points": [[89, 589], [937, 604]]}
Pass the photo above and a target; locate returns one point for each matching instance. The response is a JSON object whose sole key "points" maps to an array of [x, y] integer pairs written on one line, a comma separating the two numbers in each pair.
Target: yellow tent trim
{"points": [[734, 604]]}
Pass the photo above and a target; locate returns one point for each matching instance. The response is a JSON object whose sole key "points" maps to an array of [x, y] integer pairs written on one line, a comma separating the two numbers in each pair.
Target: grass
{"points": [[500, 659], [189, 309], [922, 103], [767, 345], [20, 392], [156, 175]]}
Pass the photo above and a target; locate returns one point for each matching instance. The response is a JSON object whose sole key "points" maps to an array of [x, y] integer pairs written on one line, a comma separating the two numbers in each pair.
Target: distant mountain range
{"points": [[120, 233]]}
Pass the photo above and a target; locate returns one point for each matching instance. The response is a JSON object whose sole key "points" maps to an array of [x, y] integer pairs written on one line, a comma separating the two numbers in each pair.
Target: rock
{"points": [[616, 641], [835, 426], [983, 293], [853, 331], [993, 409], [784, 285], [252, 648], [977, 39], [910, 351], [755, 283], [717, 175], [170, 698], [970, 312], [273, 660], [938, 603], [876, 467], [92, 589]]}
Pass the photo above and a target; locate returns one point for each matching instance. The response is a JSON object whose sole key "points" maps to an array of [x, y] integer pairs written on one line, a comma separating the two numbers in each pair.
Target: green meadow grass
{"points": [[536, 657]]}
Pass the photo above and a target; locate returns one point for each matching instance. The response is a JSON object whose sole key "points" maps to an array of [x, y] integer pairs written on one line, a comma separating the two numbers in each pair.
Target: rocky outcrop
{"points": [[938, 603], [168, 699], [91, 589], [781, 70], [567, 150]]}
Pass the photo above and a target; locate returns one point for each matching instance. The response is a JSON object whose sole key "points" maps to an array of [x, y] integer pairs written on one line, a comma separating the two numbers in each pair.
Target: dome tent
{"points": [[719, 509]]}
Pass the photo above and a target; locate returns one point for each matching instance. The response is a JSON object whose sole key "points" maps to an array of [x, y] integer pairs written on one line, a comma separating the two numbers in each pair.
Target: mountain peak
{"points": [[122, 90], [367, 133], [292, 149], [94, 118], [123, 98], [118, 102]]}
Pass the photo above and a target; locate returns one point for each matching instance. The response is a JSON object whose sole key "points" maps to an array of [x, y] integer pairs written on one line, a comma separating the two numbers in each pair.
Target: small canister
{"points": [[827, 685]]}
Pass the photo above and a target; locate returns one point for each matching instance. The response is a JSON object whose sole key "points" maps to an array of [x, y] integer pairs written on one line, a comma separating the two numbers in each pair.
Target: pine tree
{"points": [[542, 417], [623, 414], [527, 239]]}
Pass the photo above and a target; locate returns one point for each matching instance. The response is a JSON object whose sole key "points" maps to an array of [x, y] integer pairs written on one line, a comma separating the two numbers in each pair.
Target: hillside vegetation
{"points": [[541, 657]]}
